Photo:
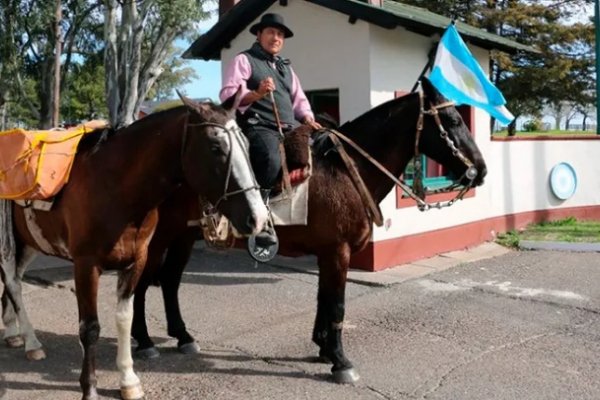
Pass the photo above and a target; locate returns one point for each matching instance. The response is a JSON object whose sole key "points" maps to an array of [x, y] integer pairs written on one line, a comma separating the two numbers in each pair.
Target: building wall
{"points": [[326, 53], [397, 58], [367, 64]]}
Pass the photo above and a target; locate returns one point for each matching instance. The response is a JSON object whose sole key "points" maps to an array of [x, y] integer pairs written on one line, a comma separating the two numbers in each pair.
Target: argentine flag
{"points": [[459, 77]]}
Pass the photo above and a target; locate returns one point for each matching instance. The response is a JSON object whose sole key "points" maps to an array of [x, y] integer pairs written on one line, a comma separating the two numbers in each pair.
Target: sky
{"points": [[208, 83]]}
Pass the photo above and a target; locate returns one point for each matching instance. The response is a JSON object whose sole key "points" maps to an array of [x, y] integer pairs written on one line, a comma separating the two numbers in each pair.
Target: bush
{"points": [[533, 125]]}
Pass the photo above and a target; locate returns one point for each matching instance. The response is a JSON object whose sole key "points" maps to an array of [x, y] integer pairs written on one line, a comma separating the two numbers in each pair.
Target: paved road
{"points": [[522, 325]]}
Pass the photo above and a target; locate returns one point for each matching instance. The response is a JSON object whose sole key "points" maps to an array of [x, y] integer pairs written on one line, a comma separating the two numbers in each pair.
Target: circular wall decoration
{"points": [[563, 180]]}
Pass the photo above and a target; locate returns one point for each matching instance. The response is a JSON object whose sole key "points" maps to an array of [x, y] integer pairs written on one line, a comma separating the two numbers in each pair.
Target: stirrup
{"points": [[267, 253]]}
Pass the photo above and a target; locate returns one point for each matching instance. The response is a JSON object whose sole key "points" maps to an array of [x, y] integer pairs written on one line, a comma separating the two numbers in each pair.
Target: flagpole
{"points": [[430, 57], [597, 29]]}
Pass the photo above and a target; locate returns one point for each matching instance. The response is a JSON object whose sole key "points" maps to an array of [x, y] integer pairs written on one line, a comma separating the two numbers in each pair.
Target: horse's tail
{"points": [[8, 248]]}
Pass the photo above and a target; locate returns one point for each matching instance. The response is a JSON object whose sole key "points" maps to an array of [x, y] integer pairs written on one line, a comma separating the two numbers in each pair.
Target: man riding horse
{"points": [[261, 71]]}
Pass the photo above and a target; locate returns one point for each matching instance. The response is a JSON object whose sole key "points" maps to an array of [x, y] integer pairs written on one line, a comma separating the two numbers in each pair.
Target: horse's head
{"points": [[216, 164], [446, 139]]}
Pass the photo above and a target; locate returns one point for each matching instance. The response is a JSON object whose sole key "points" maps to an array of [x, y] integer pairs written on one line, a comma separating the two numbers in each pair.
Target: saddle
{"points": [[35, 165], [298, 156]]}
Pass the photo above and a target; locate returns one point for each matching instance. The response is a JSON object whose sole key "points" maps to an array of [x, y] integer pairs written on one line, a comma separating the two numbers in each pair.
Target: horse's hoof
{"points": [[346, 376], [189, 348], [14, 342], [134, 392], [147, 354], [35, 354], [93, 395]]}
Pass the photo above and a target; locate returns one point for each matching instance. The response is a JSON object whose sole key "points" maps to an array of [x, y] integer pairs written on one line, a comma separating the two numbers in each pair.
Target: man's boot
{"points": [[267, 236]]}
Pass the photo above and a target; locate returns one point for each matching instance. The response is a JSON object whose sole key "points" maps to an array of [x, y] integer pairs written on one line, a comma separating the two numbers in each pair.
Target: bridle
{"points": [[417, 192], [232, 134]]}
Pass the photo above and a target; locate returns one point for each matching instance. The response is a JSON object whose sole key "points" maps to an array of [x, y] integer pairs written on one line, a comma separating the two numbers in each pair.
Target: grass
{"points": [[565, 230], [546, 133]]}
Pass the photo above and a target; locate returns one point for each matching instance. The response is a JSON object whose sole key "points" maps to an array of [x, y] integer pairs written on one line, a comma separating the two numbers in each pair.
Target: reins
{"points": [[417, 192]]}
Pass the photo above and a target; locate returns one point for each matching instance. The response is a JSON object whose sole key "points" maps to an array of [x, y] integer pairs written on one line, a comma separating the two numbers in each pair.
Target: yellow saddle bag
{"points": [[35, 165]]}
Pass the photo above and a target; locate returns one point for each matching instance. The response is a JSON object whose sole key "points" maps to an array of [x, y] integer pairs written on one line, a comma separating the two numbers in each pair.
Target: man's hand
{"points": [[266, 85], [312, 123]]}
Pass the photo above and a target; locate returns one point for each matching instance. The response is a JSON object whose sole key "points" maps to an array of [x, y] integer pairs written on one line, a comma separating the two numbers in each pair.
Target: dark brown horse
{"points": [[105, 217], [176, 237], [338, 223]]}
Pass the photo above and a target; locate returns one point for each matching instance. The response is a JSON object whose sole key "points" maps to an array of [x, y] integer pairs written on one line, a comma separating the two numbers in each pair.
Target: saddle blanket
{"points": [[291, 209], [35, 165]]}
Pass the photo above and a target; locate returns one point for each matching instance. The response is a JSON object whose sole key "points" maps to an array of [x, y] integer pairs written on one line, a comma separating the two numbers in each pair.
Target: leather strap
{"points": [[372, 208]]}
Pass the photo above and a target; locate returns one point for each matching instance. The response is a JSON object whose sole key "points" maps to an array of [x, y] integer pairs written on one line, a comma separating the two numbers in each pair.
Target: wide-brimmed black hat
{"points": [[271, 20]]}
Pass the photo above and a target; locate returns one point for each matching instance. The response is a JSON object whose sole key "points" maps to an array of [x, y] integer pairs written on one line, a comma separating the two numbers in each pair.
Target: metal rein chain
{"points": [[470, 173], [231, 134], [417, 182]]}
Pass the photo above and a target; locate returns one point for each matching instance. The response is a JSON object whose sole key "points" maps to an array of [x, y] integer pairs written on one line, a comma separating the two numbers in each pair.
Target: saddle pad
{"points": [[35, 165], [291, 209]]}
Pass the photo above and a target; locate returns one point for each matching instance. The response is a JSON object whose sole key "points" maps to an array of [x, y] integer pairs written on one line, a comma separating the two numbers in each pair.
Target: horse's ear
{"points": [[191, 104], [233, 101], [431, 93]]}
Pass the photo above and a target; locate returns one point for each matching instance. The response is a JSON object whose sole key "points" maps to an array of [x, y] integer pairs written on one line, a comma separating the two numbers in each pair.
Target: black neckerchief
{"points": [[280, 62]]}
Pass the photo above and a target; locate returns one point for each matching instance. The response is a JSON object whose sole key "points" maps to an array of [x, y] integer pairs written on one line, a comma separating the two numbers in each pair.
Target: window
{"points": [[325, 104]]}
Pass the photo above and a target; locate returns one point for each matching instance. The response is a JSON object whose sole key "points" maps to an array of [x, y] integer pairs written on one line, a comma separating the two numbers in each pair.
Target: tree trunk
{"points": [[111, 61], [45, 93], [57, 54], [512, 127]]}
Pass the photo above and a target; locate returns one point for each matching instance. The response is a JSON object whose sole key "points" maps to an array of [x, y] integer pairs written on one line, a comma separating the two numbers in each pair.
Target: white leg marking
{"points": [[124, 317]]}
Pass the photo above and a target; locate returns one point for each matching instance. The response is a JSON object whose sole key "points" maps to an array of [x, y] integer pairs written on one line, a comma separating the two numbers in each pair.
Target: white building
{"points": [[352, 55]]}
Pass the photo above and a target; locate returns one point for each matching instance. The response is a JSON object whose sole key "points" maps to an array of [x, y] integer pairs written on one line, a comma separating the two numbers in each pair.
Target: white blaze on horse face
{"points": [[242, 172]]}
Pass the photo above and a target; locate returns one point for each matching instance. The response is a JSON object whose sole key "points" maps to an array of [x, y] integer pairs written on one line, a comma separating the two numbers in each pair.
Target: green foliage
{"points": [[532, 125], [508, 239], [569, 221], [563, 70], [564, 230], [175, 74], [84, 97], [27, 46]]}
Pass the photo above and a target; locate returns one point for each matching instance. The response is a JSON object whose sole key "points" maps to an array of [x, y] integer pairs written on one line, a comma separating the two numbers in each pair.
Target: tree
{"points": [[132, 68], [529, 80], [8, 58], [174, 74], [32, 42]]}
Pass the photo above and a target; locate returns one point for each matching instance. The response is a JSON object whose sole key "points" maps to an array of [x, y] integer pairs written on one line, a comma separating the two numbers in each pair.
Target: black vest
{"points": [[260, 62]]}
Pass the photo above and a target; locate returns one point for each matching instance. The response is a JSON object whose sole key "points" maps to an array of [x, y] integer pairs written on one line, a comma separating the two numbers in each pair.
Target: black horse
{"points": [[338, 222]]}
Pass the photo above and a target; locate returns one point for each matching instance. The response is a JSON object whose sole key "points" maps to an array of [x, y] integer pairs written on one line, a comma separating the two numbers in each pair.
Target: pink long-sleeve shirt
{"points": [[239, 71]]}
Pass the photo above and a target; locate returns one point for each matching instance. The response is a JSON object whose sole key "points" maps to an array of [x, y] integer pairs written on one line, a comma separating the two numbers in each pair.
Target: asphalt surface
{"points": [[520, 325]]}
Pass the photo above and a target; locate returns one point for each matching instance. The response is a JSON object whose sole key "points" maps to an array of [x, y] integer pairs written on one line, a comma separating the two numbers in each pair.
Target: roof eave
{"points": [[208, 46]]}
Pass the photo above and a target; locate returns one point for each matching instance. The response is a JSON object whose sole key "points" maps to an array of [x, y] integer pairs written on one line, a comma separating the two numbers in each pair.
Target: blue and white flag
{"points": [[459, 77]]}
